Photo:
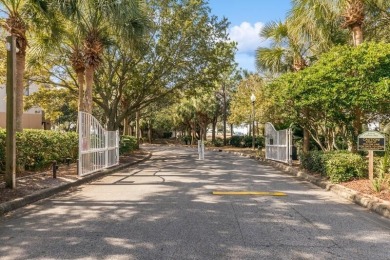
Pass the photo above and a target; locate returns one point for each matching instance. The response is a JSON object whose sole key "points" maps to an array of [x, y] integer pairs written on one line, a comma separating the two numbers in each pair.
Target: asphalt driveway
{"points": [[164, 208]]}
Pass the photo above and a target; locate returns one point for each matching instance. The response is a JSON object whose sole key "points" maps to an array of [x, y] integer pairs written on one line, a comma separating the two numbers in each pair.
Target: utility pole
{"points": [[10, 164]]}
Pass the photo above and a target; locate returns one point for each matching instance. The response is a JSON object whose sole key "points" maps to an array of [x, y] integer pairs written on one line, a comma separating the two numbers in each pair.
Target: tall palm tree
{"points": [[96, 24], [319, 22], [288, 52], [21, 18], [354, 14]]}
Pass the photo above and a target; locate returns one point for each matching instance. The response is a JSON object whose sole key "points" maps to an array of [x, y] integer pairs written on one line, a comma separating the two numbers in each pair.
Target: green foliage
{"points": [[246, 141], [339, 166], [36, 149], [186, 139], [59, 104], [127, 144], [185, 52], [384, 163], [313, 161], [217, 143], [325, 97], [167, 135], [236, 141], [3, 59], [241, 108], [345, 166], [382, 171], [380, 182]]}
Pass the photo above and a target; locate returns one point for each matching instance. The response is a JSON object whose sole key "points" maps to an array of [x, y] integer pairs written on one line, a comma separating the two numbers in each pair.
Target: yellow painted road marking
{"points": [[258, 193]]}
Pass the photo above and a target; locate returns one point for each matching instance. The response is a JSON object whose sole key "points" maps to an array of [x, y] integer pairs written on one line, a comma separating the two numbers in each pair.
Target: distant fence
{"points": [[278, 144], [98, 148]]}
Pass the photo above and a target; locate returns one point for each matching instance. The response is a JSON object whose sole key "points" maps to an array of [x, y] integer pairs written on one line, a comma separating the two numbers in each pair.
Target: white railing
{"points": [[278, 144], [98, 148]]}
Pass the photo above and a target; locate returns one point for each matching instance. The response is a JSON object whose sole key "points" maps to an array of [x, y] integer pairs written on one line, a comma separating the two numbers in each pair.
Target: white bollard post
{"points": [[201, 149]]}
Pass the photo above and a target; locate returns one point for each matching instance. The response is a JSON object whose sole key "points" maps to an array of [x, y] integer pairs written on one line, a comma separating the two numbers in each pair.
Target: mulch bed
{"points": [[364, 186]]}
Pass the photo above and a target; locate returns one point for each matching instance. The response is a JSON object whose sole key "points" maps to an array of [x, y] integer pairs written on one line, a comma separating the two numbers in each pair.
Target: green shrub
{"points": [[127, 144], [246, 141], [36, 149], [343, 167], [167, 135], [236, 141], [339, 166], [314, 161], [218, 142], [186, 139]]}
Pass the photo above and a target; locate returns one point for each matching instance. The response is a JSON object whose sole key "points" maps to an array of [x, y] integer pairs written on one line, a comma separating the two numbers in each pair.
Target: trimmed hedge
{"points": [[36, 149], [339, 166], [127, 144], [217, 143], [246, 141]]}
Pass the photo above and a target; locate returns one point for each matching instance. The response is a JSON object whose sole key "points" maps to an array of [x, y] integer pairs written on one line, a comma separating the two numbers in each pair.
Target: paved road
{"points": [[164, 209]]}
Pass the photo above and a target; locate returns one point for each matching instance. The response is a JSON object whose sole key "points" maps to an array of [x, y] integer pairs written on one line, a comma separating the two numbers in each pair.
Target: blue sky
{"points": [[247, 17]]}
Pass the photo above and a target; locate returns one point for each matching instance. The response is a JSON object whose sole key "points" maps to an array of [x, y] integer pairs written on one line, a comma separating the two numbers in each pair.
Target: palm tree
{"points": [[285, 54], [288, 52], [319, 22], [95, 25], [21, 18], [353, 14]]}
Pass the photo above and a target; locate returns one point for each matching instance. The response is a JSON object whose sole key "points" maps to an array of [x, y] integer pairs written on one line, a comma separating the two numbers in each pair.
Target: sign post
{"points": [[371, 141]]}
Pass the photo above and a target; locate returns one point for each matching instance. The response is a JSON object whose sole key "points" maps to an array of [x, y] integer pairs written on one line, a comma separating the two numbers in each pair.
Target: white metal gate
{"points": [[278, 144], [98, 148]]}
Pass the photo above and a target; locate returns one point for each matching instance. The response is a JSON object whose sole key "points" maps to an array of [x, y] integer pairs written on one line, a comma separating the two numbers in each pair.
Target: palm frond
{"points": [[275, 60]]}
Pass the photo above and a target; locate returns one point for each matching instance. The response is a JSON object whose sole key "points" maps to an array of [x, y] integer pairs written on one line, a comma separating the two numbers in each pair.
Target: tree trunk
{"points": [[88, 88], [150, 132], [357, 34], [357, 129], [214, 126], [81, 82], [125, 126], [131, 130], [306, 133], [224, 115], [306, 140], [20, 68], [137, 130], [112, 124]]}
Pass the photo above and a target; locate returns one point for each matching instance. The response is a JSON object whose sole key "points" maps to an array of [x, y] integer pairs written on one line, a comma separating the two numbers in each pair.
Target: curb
{"points": [[372, 203], [42, 194]]}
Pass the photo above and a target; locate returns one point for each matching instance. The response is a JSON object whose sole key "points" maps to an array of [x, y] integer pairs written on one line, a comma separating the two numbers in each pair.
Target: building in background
{"points": [[32, 118]]}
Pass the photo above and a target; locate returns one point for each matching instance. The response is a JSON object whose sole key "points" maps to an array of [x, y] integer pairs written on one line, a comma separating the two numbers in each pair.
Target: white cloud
{"points": [[248, 40], [247, 37]]}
